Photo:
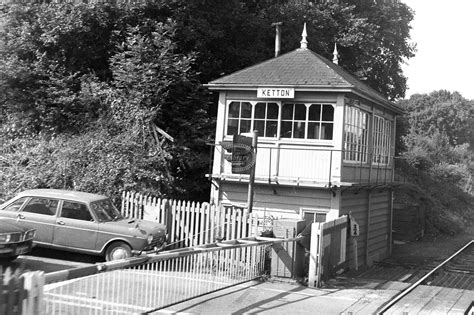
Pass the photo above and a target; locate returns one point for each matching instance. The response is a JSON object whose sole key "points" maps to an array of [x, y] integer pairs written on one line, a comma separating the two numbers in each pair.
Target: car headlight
{"points": [[150, 239], [5, 238]]}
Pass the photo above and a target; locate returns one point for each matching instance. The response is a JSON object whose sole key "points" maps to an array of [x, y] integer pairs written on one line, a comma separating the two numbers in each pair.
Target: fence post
{"points": [[34, 283], [314, 255]]}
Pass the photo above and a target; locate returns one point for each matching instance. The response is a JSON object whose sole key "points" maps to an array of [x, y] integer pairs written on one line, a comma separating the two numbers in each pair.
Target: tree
{"points": [[46, 53], [132, 117], [372, 38], [438, 138]]}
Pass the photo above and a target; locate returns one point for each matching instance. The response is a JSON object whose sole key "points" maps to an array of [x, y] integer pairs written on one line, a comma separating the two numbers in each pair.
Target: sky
{"points": [[444, 34]]}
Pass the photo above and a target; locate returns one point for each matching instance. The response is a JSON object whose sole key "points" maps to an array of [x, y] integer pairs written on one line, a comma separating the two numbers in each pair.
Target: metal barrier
{"points": [[149, 283]]}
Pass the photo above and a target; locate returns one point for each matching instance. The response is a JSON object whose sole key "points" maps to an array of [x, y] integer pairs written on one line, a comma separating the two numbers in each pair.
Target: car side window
{"points": [[75, 210], [16, 205], [40, 205]]}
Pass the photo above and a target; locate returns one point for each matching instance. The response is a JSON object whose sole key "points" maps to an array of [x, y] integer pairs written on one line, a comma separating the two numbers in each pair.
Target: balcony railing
{"points": [[288, 164]]}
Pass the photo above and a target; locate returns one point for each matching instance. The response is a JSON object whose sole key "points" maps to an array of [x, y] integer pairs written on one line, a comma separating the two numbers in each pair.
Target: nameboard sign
{"points": [[275, 92]]}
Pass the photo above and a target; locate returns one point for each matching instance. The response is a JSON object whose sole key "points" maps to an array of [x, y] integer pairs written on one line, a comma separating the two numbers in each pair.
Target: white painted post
{"points": [[313, 278], [34, 283]]}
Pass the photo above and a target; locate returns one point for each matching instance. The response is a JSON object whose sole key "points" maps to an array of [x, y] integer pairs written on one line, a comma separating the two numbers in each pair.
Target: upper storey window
{"points": [[286, 121], [307, 121], [382, 135], [356, 135], [240, 118]]}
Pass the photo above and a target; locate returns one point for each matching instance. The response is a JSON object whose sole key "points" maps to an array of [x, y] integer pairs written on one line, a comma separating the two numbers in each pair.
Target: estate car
{"points": [[82, 222]]}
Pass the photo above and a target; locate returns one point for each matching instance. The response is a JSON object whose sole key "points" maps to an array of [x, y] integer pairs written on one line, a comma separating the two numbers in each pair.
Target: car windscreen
{"points": [[105, 211]]}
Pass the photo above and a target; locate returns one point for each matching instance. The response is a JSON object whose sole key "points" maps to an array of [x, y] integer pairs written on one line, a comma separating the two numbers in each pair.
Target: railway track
{"points": [[456, 273]]}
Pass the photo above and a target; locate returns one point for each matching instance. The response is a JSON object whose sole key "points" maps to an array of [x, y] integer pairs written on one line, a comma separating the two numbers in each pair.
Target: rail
{"points": [[384, 308]]}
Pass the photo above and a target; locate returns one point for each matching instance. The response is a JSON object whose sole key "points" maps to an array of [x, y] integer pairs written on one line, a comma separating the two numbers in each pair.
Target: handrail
{"points": [[70, 274]]}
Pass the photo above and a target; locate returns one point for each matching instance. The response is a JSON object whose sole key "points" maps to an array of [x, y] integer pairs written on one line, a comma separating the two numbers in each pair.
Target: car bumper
{"points": [[154, 250], [15, 249]]}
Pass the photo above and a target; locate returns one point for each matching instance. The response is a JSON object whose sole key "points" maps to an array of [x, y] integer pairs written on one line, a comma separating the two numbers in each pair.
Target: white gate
{"points": [[328, 249]]}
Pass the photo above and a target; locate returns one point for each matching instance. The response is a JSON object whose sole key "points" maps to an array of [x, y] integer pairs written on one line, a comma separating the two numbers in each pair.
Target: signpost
{"points": [[354, 229], [243, 158]]}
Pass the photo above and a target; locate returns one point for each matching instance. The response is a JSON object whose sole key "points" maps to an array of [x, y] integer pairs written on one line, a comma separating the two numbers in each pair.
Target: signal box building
{"points": [[325, 145]]}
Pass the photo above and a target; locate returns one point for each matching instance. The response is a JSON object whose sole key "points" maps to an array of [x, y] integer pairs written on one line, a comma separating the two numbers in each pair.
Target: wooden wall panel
{"points": [[281, 200]]}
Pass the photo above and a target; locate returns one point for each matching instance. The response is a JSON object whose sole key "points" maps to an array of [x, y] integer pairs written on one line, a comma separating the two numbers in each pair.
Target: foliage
{"points": [[436, 134], [372, 38], [94, 161], [439, 138], [108, 97], [136, 119]]}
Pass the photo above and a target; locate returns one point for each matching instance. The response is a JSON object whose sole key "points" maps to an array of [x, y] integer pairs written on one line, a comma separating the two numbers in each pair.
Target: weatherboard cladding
{"points": [[357, 205], [300, 68]]}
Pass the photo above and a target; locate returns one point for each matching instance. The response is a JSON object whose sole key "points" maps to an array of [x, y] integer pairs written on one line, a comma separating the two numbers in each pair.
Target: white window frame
{"points": [[382, 140], [356, 127], [252, 117], [307, 121], [280, 103], [315, 211]]}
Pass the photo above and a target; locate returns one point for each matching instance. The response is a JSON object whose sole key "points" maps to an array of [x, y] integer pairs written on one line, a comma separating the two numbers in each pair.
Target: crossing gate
{"points": [[327, 249], [148, 283]]}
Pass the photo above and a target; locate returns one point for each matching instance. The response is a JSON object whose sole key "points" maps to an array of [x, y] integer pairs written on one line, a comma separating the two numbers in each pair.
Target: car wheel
{"points": [[118, 250]]}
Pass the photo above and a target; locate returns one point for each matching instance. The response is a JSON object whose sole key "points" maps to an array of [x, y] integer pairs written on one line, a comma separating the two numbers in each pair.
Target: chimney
{"points": [[277, 26]]}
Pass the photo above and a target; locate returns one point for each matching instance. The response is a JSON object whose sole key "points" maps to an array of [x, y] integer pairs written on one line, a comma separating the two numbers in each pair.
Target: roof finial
{"points": [[304, 42], [335, 58]]}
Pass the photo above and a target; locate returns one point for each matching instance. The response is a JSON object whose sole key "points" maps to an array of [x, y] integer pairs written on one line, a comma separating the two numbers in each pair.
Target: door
{"points": [[39, 213], [75, 228]]}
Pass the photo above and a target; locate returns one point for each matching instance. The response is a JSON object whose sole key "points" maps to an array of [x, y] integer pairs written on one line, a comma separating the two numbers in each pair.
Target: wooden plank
{"points": [[202, 222], [462, 304], [415, 301], [192, 223], [443, 301]]}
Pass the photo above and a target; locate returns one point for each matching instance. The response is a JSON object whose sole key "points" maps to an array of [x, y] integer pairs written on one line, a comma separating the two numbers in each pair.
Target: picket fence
{"points": [[192, 223], [20, 293]]}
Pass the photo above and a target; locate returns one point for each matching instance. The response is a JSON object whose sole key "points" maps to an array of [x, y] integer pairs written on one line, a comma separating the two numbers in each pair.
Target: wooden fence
{"points": [[21, 293], [192, 223]]}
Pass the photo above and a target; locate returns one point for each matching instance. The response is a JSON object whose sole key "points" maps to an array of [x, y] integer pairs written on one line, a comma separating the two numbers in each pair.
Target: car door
{"points": [[10, 212], [39, 213], [75, 227]]}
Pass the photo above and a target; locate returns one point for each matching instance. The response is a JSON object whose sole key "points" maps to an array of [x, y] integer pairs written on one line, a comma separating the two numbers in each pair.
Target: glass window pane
{"points": [[260, 110], [272, 111], [260, 126], [246, 110], [234, 109], [272, 127], [326, 131], [41, 206], [287, 112], [232, 127], [300, 112], [315, 112], [328, 113], [245, 125], [286, 129], [313, 130], [15, 206], [299, 128], [77, 211]]}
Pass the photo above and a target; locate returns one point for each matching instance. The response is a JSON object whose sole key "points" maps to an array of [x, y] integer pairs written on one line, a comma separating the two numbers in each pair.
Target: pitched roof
{"points": [[301, 69]]}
